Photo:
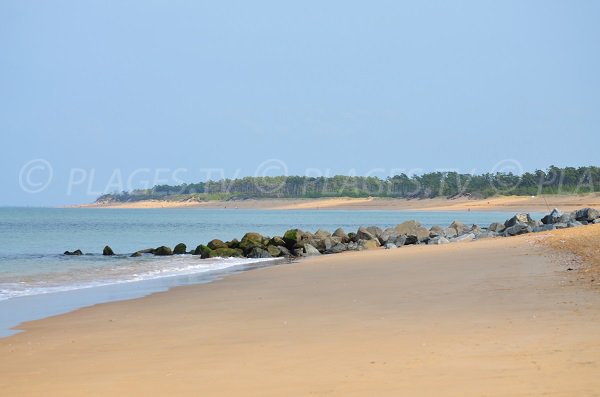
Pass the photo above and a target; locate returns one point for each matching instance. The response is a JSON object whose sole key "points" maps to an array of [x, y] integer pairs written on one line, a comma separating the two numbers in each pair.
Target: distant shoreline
{"points": [[500, 203]]}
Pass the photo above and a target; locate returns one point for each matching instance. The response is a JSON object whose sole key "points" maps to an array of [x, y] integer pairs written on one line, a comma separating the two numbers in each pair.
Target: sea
{"points": [[37, 280]]}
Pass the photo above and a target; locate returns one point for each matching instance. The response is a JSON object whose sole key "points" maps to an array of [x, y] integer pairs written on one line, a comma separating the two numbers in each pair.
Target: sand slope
{"points": [[493, 318], [502, 203]]}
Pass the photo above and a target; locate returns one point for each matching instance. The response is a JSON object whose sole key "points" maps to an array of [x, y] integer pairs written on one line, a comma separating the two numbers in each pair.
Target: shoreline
{"points": [[378, 321], [501, 203]]}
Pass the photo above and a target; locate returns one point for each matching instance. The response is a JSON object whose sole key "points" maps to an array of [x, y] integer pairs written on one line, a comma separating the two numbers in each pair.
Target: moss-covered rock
{"points": [[216, 244], [226, 253], [163, 251], [179, 249], [277, 241], [251, 240], [292, 237], [233, 243], [107, 251], [203, 251]]}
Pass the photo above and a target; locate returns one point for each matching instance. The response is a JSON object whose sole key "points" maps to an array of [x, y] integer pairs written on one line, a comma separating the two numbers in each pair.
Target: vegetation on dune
{"points": [[554, 180]]}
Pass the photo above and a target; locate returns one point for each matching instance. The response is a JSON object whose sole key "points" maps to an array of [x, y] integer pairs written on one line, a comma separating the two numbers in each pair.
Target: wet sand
{"points": [[501, 317]]}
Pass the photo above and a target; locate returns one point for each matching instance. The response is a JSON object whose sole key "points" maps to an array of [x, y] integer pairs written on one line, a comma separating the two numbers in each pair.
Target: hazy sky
{"points": [[99, 89]]}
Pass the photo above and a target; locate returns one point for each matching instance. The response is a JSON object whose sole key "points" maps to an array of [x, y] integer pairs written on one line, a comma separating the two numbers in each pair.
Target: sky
{"points": [[103, 96]]}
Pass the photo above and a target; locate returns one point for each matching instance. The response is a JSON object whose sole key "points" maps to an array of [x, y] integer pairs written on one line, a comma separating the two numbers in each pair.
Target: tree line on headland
{"points": [[554, 180]]}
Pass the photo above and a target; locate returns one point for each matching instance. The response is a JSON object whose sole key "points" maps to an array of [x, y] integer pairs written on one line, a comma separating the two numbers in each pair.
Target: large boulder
{"points": [[340, 233], [516, 229], [179, 249], [216, 244], [163, 251], [203, 251], [363, 233], [414, 232], [277, 241], [438, 240], [321, 234], [520, 219], [496, 227], [460, 227], [225, 253], [292, 238], [274, 250], [257, 252], [252, 240], [337, 248], [436, 231], [552, 217], [464, 237], [368, 244], [587, 215], [375, 231], [309, 250], [107, 251]]}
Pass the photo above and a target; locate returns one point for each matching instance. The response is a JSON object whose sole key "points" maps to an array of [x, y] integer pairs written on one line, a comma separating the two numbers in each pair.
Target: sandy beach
{"points": [[501, 317], [502, 203]]}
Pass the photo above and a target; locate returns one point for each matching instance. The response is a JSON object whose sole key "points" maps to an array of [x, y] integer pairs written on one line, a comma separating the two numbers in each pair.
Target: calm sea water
{"points": [[35, 277]]}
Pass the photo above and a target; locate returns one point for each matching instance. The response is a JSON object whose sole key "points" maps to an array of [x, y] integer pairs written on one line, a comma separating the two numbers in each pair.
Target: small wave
{"points": [[127, 271]]}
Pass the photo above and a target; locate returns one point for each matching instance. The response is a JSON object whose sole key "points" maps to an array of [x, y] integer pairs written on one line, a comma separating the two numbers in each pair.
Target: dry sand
{"points": [[499, 317], [502, 203]]}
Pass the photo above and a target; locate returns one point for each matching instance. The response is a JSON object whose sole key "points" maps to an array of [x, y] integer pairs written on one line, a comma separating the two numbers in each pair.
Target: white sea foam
{"points": [[125, 270]]}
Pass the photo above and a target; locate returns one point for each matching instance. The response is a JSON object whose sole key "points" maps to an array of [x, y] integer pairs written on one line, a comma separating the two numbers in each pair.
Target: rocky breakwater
{"points": [[300, 243]]}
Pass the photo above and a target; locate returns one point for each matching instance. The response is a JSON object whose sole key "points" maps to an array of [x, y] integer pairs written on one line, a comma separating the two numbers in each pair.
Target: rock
{"points": [[364, 234], [399, 241], [561, 225], [277, 241], [516, 229], [225, 253], [251, 240], [323, 244], [523, 219], [274, 250], [298, 251], [163, 251], [352, 246], [309, 250], [390, 246], [388, 235], [486, 234], [368, 244], [284, 251], [179, 249], [292, 238], [107, 251], [233, 243], [552, 218], [340, 233], [464, 237], [77, 252], [476, 230], [321, 234], [587, 214], [596, 221], [438, 240], [352, 236], [496, 227], [136, 254], [544, 228], [460, 227], [574, 224], [216, 244], [203, 251], [450, 232], [566, 218], [375, 231], [147, 251], [257, 252], [436, 231], [414, 232], [336, 249]]}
